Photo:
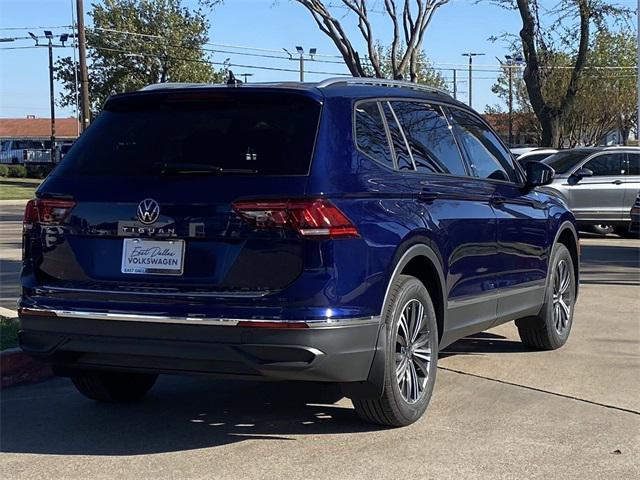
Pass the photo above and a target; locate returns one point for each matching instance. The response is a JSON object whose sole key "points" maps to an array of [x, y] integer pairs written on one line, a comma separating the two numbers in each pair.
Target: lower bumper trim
{"points": [[201, 320]]}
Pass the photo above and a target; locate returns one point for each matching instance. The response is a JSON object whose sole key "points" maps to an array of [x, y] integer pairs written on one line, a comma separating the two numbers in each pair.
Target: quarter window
{"points": [[488, 157], [371, 135], [606, 165], [431, 140], [633, 163], [399, 145]]}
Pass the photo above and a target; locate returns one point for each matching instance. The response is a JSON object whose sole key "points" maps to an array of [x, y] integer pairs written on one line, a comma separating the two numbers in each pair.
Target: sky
{"points": [[459, 26]]}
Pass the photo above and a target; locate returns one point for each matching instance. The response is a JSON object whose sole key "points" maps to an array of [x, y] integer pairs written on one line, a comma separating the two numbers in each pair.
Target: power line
{"points": [[224, 64], [35, 28]]}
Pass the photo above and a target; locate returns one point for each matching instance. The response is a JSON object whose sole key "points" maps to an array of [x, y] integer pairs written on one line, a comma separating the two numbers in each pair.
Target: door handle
{"points": [[617, 182]]}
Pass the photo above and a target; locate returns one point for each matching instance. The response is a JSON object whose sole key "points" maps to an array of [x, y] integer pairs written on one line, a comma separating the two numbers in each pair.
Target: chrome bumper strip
{"points": [[195, 320]]}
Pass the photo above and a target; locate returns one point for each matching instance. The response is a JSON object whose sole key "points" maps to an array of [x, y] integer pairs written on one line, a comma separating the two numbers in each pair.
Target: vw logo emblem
{"points": [[148, 211]]}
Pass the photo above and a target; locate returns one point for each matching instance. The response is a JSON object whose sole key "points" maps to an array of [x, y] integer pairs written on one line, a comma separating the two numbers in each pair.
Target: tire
{"points": [[401, 405], [601, 229], [551, 328], [113, 387]]}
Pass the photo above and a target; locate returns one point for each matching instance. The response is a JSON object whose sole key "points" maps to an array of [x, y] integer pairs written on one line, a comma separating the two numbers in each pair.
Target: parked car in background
{"points": [[535, 155], [21, 152], [343, 232], [599, 184], [517, 151], [634, 227]]}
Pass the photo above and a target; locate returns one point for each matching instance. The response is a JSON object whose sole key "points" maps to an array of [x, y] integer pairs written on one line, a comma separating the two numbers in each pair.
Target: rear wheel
{"points": [[113, 387], [411, 356], [550, 329]]}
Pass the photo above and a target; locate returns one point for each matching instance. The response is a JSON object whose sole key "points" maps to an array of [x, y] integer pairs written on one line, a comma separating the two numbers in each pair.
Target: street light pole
{"points": [[49, 36], [470, 86], [84, 76], [301, 53]]}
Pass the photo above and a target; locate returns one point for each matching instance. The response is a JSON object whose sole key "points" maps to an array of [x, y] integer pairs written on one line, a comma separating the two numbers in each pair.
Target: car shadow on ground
{"points": [[483, 343], [180, 413]]}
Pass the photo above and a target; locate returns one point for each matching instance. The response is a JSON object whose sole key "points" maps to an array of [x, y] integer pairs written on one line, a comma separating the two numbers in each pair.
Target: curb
{"points": [[7, 312], [16, 367], [10, 203]]}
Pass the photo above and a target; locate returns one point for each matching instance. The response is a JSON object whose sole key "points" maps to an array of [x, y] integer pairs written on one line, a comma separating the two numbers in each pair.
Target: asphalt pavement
{"points": [[498, 410]]}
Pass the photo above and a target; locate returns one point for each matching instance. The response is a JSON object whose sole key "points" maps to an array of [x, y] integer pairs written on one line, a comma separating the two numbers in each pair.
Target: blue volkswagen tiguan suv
{"points": [[342, 231]]}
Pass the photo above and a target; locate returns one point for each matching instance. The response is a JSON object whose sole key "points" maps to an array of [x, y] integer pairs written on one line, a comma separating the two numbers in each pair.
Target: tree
{"points": [[424, 72], [165, 43], [409, 26], [606, 99], [543, 44]]}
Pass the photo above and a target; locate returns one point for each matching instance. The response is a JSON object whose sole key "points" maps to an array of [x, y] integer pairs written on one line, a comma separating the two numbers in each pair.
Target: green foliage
{"points": [[426, 74], [8, 332], [170, 49], [4, 171], [606, 98], [39, 171], [17, 171]]}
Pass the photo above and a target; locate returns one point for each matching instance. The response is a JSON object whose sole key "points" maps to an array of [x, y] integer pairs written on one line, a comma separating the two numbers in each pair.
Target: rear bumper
{"points": [[321, 351]]}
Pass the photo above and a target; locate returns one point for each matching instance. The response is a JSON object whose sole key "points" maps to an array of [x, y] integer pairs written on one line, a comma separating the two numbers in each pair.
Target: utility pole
{"points": [[470, 87], [301, 53], [638, 84], [84, 76], [455, 82], [49, 36]]}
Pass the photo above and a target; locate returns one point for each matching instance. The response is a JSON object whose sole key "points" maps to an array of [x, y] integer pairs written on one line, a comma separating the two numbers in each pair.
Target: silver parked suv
{"points": [[599, 184]]}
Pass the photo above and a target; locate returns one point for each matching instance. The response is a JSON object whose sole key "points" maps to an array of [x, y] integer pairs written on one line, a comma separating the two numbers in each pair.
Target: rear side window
{"points": [[403, 157], [607, 165], [234, 132], [488, 158], [431, 140], [371, 136]]}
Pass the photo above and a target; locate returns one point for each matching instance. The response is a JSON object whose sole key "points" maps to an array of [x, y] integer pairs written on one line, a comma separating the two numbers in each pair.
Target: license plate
{"points": [[152, 257]]}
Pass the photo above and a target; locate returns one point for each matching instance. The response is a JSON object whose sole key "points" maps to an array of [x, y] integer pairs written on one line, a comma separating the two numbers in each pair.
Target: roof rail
{"points": [[381, 82]]}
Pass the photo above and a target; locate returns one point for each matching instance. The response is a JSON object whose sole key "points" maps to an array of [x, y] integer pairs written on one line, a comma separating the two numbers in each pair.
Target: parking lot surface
{"points": [[498, 410]]}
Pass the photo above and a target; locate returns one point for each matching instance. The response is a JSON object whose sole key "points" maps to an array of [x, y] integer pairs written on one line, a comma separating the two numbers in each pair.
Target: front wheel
{"points": [[113, 387], [550, 329], [411, 356]]}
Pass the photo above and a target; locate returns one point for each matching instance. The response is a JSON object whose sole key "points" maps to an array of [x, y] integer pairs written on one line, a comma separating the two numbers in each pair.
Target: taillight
{"points": [[46, 211], [317, 218]]}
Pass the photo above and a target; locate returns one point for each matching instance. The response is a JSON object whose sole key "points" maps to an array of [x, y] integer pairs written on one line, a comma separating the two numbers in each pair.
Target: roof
{"points": [[346, 87], [37, 127]]}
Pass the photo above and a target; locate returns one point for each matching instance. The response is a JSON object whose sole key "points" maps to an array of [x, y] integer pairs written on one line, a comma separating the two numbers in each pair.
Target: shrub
{"points": [[38, 171], [4, 171], [17, 171]]}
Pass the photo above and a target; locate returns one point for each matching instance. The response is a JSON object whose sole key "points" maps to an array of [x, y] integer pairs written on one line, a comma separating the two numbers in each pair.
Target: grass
{"points": [[8, 332], [18, 188]]}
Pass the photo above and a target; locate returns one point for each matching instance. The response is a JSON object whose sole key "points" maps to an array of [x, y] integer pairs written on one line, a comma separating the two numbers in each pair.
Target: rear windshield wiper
{"points": [[198, 169]]}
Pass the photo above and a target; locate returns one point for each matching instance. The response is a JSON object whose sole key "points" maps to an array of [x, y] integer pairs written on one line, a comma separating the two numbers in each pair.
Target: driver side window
{"points": [[487, 156]]}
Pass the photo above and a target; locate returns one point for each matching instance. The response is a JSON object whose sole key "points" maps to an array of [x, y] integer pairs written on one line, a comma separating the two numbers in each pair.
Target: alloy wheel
{"points": [[413, 351], [562, 296]]}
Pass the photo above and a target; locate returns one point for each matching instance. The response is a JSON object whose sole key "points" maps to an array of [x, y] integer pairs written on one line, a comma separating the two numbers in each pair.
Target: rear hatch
{"points": [[150, 189]]}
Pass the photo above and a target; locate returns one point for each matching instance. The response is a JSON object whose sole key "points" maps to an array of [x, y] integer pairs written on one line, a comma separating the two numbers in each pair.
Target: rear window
{"points": [[241, 133], [563, 162]]}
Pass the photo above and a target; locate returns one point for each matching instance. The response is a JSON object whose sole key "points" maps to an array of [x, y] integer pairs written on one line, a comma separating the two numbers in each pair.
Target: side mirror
{"points": [[582, 172], [539, 174]]}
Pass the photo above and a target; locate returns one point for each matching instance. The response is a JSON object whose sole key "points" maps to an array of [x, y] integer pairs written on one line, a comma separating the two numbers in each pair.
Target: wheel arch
{"points": [[567, 235], [419, 259]]}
